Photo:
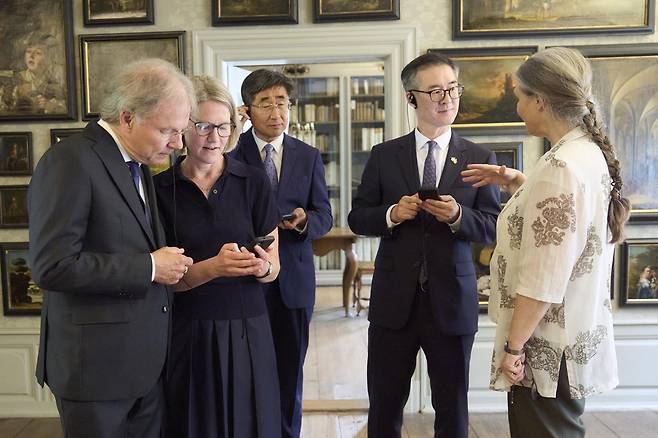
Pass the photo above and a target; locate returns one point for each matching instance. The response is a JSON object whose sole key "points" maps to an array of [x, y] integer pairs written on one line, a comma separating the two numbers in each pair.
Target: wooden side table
{"points": [[343, 239]]}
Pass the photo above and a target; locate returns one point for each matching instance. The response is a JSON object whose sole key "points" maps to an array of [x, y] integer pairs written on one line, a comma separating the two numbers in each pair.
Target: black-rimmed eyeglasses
{"points": [[438, 94], [206, 128]]}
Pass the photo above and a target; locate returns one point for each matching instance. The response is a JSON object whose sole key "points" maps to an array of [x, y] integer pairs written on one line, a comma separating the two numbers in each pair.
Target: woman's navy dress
{"points": [[221, 373]]}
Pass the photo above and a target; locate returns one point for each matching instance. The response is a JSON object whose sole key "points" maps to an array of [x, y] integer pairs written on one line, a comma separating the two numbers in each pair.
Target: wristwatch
{"points": [[512, 352], [269, 270]]}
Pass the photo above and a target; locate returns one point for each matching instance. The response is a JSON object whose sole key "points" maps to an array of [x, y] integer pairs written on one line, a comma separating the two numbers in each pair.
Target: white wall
{"points": [[636, 329]]}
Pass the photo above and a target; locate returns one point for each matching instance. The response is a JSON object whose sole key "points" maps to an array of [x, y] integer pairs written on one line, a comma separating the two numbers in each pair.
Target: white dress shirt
{"points": [[277, 151]]}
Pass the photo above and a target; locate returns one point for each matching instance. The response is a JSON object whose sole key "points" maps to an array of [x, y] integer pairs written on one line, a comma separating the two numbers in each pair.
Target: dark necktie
{"points": [[270, 168], [429, 170], [134, 172]]}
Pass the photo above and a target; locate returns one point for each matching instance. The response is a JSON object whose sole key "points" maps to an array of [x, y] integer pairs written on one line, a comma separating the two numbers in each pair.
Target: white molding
{"points": [[216, 49]]}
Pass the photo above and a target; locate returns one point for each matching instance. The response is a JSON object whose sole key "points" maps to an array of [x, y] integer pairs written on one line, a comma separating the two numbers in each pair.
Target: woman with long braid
{"points": [[550, 271]]}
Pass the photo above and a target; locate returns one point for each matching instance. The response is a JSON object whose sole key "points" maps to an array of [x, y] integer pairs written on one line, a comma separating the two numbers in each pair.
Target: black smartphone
{"points": [[288, 217], [262, 241], [428, 193]]}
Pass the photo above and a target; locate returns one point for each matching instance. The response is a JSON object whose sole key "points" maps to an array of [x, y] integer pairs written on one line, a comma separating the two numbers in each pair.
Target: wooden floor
{"points": [[335, 393]]}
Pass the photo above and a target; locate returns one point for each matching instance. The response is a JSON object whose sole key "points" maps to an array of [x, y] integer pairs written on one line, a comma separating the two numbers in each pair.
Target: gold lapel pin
{"points": [[454, 160]]}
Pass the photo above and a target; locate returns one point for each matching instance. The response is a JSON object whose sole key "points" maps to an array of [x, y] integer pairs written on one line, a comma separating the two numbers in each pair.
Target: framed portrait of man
{"points": [[15, 153], [37, 80]]}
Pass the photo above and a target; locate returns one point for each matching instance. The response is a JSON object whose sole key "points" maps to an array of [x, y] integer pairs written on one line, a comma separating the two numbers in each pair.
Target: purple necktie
{"points": [[270, 168], [429, 170]]}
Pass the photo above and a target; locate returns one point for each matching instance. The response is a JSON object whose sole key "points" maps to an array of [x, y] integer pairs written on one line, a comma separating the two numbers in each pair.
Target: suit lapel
{"points": [[149, 189], [407, 158], [287, 161], [109, 154], [249, 150], [453, 164]]}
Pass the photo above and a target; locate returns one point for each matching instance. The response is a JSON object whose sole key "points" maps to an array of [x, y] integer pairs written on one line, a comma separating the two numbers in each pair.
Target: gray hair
{"points": [[142, 86], [208, 88], [263, 79]]}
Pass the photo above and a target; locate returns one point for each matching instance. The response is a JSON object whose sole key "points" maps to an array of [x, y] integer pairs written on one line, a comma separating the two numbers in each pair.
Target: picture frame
{"points": [[325, 11], [508, 153], [59, 134], [13, 206], [638, 285], [117, 12], [99, 52], [37, 77], [623, 86], [16, 153], [240, 13], [482, 253], [20, 295], [488, 103], [478, 19]]}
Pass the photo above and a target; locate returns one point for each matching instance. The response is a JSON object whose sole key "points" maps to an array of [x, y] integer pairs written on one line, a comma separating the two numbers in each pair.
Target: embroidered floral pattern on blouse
{"points": [[541, 356], [515, 229], [518, 193], [581, 392], [555, 315], [506, 300], [557, 214], [495, 371], [592, 248], [555, 162], [586, 345]]}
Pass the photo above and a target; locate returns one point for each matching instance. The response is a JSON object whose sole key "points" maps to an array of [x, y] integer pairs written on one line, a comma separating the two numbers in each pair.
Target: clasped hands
{"points": [[513, 367], [232, 261], [445, 209]]}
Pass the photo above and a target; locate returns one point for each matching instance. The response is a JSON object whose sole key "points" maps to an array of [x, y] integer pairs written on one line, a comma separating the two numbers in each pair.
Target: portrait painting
{"points": [[639, 272], [516, 18], [349, 10], [99, 54], [245, 12], [117, 12], [20, 295], [488, 101], [13, 207], [57, 135], [36, 66], [626, 91], [15, 153], [481, 259]]}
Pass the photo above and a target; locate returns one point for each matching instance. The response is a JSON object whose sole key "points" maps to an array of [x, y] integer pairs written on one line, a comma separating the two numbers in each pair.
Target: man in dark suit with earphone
{"points": [[423, 292], [98, 250], [296, 176]]}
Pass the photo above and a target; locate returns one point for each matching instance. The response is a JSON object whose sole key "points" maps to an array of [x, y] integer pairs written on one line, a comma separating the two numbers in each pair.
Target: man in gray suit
{"points": [[97, 249]]}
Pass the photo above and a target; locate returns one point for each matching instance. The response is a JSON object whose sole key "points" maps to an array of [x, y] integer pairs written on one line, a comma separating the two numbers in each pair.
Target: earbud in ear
{"points": [[412, 100]]}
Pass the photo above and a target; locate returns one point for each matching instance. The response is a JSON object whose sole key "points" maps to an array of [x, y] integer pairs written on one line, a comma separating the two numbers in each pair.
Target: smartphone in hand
{"points": [[289, 217], [428, 193], [262, 241]]}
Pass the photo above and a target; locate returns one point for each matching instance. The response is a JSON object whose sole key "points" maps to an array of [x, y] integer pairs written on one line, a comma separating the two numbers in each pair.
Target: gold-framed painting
{"points": [[20, 295], [639, 273], [518, 18], [488, 103], [349, 10], [99, 54], [247, 12]]}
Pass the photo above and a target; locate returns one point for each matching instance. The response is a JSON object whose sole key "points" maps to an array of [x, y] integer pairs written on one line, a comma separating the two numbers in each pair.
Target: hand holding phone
{"points": [[428, 193], [289, 216], [263, 241]]}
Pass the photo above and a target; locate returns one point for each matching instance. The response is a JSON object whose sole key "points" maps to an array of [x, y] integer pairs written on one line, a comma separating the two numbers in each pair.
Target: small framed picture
{"points": [[639, 273], [57, 135], [240, 12], [481, 259], [508, 154], [13, 207], [488, 103], [15, 153], [20, 296], [117, 12], [349, 10]]}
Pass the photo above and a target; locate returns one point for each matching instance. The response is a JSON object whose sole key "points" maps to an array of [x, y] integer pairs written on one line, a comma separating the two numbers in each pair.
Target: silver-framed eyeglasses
{"points": [[170, 134], [438, 94], [269, 107], [206, 128]]}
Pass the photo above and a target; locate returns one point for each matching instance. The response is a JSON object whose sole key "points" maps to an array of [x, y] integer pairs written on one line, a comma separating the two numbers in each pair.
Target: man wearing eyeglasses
{"points": [[423, 292], [98, 250], [296, 176]]}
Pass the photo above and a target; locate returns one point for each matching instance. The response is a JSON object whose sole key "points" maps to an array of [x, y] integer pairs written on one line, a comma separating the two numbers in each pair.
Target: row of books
{"points": [[318, 87], [371, 85], [328, 262], [308, 134], [366, 111], [365, 138], [311, 112]]}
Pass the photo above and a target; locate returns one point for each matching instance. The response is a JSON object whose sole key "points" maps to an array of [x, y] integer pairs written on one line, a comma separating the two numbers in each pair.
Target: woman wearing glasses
{"points": [[221, 377]]}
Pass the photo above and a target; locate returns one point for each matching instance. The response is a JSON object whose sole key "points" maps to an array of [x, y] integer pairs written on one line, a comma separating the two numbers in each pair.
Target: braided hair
{"points": [[563, 78]]}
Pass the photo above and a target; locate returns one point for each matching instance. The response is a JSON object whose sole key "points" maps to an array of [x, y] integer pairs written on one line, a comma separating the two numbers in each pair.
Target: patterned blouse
{"points": [[553, 246]]}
